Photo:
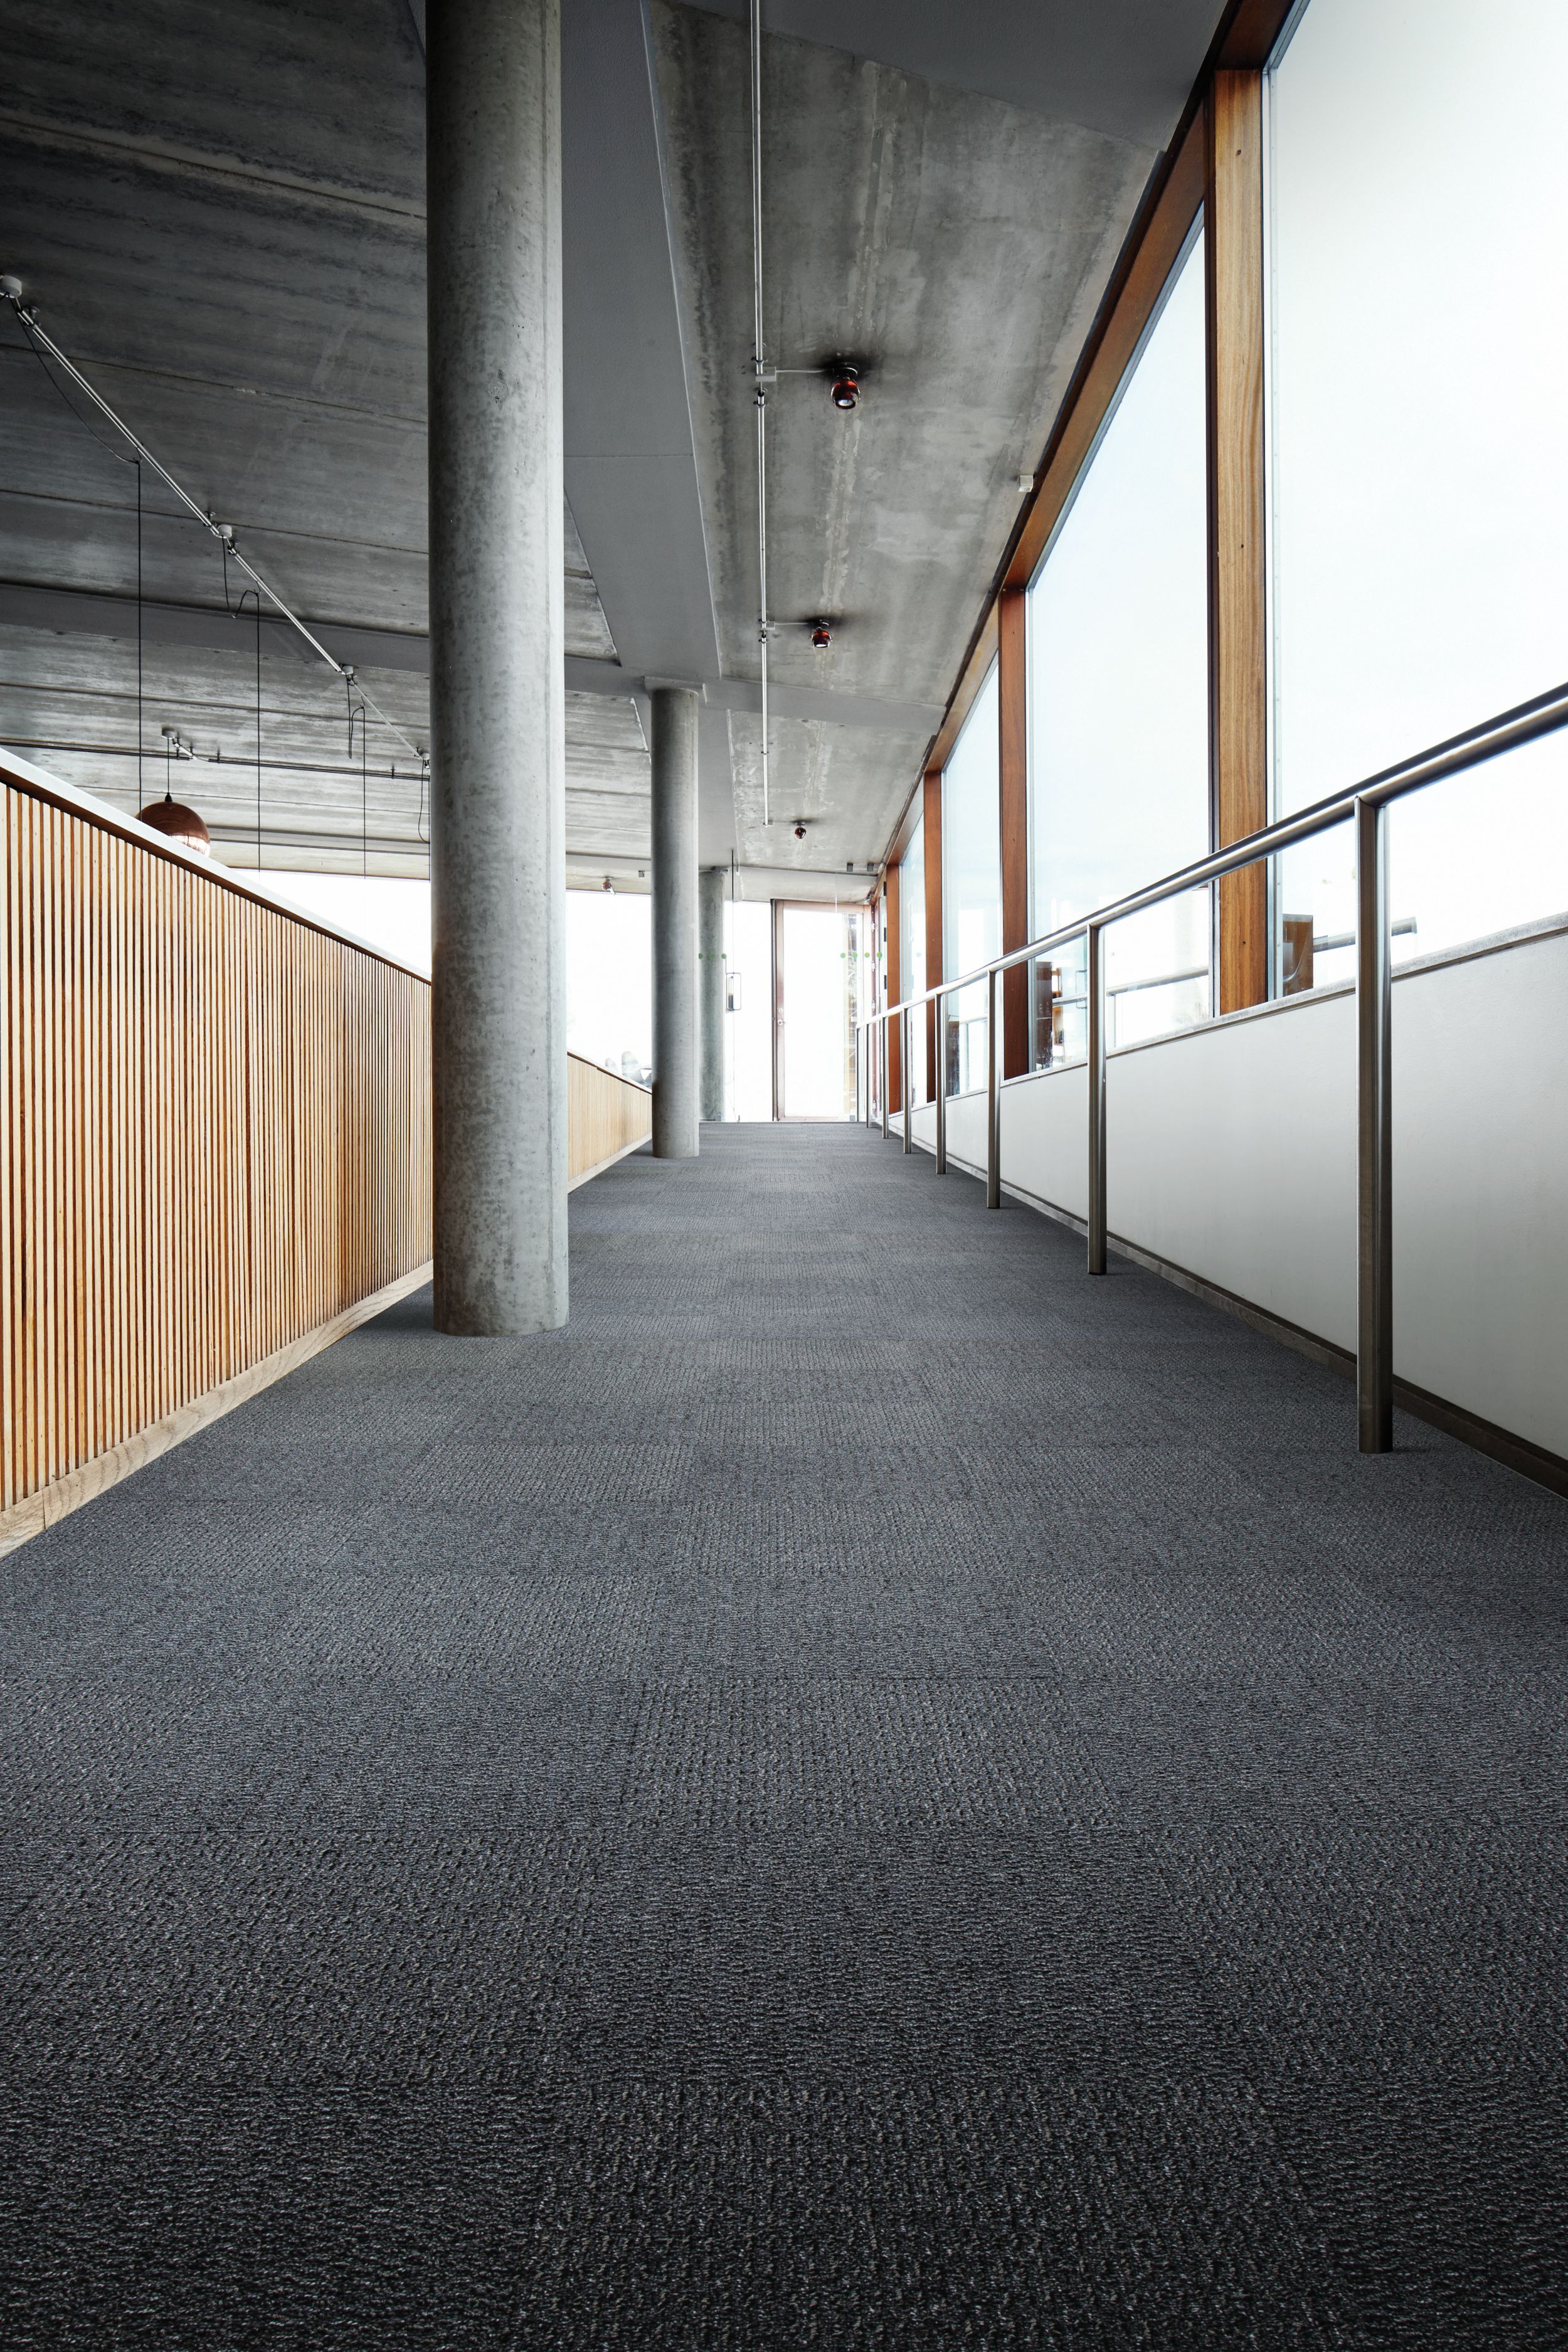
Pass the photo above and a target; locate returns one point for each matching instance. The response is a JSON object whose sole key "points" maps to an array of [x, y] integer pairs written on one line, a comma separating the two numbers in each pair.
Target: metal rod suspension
{"points": [[1374, 1136], [199, 514], [1096, 1099], [994, 1016], [759, 362]]}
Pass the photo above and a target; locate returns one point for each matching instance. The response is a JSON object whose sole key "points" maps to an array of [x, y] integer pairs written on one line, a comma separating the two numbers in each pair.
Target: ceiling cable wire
{"points": [[42, 342], [760, 369], [357, 713], [140, 696], [249, 596]]}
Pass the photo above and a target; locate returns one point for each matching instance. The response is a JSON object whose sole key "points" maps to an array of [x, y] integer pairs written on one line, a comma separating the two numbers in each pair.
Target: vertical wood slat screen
{"points": [[217, 1135]]}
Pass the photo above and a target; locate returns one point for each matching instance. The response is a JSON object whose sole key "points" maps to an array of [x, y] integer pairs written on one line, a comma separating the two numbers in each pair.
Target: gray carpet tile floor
{"points": [[873, 1791]]}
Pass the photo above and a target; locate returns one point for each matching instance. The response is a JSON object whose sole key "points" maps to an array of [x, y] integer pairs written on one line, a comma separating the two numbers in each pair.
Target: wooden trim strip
{"points": [[1238, 655], [933, 915], [895, 991]]}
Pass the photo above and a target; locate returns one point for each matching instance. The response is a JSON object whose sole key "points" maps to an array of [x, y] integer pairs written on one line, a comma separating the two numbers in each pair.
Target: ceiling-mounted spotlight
{"points": [[844, 376], [800, 833], [821, 635]]}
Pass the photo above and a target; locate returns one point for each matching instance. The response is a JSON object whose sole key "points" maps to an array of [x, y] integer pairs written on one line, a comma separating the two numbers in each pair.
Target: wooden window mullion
{"points": [[932, 916], [1013, 798], [1233, 246]]}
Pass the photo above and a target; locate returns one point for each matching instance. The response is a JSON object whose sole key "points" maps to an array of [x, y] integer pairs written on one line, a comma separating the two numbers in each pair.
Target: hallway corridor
{"points": [[872, 1791]]}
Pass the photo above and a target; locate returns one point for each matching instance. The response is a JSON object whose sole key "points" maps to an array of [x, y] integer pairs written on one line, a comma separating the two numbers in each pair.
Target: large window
{"points": [[913, 943], [1419, 210], [972, 880], [1118, 672]]}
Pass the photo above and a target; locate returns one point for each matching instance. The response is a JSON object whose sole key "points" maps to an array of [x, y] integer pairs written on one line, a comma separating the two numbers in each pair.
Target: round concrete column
{"points": [[497, 701], [711, 929], [674, 922]]}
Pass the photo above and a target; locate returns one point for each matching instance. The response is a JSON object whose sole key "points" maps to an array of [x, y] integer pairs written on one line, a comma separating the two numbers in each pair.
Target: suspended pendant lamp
{"points": [[177, 822]]}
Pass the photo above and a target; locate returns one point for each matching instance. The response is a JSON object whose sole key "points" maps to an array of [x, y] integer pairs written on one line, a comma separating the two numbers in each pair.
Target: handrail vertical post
{"points": [[941, 1085], [1096, 1008], [884, 1035], [994, 1018], [1375, 1134], [908, 1076]]}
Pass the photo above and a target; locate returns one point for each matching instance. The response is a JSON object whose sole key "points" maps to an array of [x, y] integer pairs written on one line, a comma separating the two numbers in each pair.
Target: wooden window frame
{"points": [[1238, 593], [1013, 805], [1201, 170], [932, 788], [894, 938]]}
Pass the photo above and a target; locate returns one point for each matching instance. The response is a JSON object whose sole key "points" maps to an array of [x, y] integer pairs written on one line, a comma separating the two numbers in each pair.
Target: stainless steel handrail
{"points": [[1365, 806]]}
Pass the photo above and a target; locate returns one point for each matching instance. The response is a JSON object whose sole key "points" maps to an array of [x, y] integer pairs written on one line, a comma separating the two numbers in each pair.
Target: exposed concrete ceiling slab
{"points": [[958, 247], [221, 212], [221, 215], [1124, 67]]}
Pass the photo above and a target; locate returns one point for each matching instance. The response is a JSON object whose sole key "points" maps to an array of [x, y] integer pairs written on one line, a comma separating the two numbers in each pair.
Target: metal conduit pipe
{"points": [[760, 368]]}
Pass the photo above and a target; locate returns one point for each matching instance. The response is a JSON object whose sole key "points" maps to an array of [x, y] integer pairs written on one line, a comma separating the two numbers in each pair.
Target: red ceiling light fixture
{"points": [[844, 381], [821, 635]]}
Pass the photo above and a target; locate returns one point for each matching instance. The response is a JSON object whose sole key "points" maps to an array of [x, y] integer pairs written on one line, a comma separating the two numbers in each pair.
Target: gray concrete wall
{"points": [[711, 951], [675, 1048], [498, 793]]}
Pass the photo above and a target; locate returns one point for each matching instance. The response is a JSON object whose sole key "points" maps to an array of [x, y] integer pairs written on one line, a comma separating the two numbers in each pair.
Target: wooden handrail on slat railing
{"points": [[216, 1119]]}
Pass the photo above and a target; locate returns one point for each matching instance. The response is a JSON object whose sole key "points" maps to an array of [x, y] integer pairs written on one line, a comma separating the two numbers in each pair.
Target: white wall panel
{"points": [[1480, 1186], [1044, 1138], [1231, 1152]]}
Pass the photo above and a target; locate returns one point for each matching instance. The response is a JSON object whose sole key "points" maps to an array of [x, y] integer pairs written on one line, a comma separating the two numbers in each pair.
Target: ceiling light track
{"points": [[27, 315]]}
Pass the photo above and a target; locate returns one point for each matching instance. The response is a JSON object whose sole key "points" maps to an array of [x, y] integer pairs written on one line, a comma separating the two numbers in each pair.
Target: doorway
{"points": [[817, 988]]}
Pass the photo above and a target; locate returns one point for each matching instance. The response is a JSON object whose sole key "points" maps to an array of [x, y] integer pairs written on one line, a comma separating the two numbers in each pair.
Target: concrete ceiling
{"points": [[219, 209]]}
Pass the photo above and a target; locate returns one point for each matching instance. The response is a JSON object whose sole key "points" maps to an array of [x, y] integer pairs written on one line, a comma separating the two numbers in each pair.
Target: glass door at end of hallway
{"points": [[820, 986]]}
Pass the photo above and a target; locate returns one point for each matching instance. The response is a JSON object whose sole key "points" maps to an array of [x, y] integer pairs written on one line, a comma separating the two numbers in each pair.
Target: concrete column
{"points": [[497, 712], [674, 922], [711, 900]]}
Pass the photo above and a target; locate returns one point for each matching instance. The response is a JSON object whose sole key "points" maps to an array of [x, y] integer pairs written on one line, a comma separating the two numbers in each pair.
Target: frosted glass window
{"points": [[1418, 211], [972, 879], [1118, 667], [913, 941]]}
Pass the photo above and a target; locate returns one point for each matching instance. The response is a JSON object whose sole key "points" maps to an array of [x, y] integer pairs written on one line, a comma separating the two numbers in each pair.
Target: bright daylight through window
{"points": [[972, 882], [1419, 352], [913, 943], [1117, 670]]}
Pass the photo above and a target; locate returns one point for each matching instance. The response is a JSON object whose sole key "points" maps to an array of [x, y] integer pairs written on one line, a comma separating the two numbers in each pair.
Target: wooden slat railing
{"points": [[216, 1119]]}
